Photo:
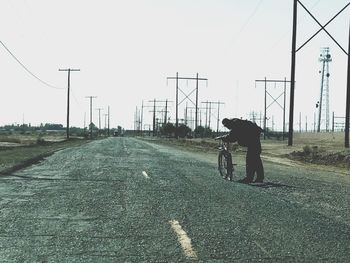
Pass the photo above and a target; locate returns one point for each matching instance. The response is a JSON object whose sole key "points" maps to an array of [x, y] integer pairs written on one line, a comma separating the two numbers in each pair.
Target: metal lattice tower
{"points": [[323, 103]]}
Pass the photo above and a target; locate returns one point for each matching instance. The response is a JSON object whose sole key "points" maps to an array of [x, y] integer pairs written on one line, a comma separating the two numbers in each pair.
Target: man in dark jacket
{"points": [[247, 134]]}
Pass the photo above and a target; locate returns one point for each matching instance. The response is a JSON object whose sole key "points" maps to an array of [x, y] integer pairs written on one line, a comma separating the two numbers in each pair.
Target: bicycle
{"points": [[225, 164]]}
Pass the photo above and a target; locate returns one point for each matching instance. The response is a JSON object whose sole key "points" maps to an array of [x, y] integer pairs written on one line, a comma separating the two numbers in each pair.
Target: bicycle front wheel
{"points": [[225, 164]]}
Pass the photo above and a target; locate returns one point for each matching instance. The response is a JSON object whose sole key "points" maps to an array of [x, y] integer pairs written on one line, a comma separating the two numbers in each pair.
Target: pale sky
{"points": [[126, 50]]}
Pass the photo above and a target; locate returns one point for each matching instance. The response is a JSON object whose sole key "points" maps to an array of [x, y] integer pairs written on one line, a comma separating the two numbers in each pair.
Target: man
{"points": [[247, 134]]}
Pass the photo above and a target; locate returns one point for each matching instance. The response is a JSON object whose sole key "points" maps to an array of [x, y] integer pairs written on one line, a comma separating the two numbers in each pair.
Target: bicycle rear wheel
{"points": [[225, 166]]}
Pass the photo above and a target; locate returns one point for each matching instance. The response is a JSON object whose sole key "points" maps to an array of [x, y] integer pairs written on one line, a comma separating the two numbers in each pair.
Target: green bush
{"points": [[307, 150]]}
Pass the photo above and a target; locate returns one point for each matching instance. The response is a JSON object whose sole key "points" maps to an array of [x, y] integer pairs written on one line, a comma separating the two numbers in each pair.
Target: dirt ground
{"points": [[316, 148], [321, 149], [330, 142]]}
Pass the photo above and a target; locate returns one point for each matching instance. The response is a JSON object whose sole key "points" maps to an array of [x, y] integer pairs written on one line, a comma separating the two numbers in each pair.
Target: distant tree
{"points": [[202, 132], [168, 129], [183, 130], [53, 126], [76, 131], [120, 129]]}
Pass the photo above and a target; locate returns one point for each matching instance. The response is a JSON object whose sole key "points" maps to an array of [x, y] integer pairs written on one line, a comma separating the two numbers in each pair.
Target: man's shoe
{"points": [[259, 181], [245, 180]]}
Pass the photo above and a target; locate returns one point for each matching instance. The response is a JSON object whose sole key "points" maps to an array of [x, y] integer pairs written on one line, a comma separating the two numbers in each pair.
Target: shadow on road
{"points": [[271, 185]]}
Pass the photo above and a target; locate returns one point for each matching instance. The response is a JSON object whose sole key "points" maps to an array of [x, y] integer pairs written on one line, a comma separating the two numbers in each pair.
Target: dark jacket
{"points": [[246, 133]]}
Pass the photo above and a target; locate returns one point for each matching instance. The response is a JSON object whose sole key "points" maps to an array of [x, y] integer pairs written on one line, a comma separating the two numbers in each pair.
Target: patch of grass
{"points": [[9, 139], [17, 156]]}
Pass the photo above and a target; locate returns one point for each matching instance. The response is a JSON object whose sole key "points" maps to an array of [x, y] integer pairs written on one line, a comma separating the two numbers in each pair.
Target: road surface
{"points": [[126, 200]]}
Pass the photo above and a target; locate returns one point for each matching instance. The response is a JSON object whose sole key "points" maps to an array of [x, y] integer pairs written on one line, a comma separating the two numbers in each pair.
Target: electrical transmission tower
{"points": [[323, 103], [186, 97]]}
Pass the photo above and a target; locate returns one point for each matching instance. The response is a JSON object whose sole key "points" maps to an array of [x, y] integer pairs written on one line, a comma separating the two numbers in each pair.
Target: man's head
{"points": [[227, 123]]}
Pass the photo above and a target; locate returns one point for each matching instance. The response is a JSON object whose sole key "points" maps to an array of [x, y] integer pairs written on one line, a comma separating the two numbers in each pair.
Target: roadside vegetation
{"points": [[17, 155], [23, 145], [317, 148]]}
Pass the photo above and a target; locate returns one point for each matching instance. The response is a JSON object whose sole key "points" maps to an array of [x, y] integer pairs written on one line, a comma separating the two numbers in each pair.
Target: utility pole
{"points": [[84, 121], [314, 121], [347, 106], [207, 113], [275, 100], [190, 119], [141, 120], [68, 95], [218, 117], [209, 108], [294, 50], [91, 97], [292, 73], [143, 125], [109, 118], [187, 96], [284, 110], [154, 117], [305, 123], [99, 120], [166, 112], [154, 113], [106, 115]]}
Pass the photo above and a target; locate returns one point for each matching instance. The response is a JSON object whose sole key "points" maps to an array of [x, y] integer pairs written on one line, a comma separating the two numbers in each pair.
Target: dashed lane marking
{"points": [[184, 240], [145, 174]]}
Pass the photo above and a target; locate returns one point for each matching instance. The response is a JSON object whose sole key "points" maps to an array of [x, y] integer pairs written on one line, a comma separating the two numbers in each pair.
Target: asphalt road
{"points": [[126, 200]]}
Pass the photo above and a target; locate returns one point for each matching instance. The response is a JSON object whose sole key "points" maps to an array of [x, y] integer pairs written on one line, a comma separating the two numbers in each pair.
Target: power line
{"points": [[250, 17], [26, 69], [247, 21]]}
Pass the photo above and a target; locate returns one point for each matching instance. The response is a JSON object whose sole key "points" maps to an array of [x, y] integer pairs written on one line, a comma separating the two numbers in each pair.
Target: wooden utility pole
{"points": [[154, 113], [91, 97], [68, 95], [292, 73]]}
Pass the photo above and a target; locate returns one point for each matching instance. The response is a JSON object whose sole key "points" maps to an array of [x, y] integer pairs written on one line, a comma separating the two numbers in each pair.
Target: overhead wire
{"points": [[26, 69], [248, 19]]}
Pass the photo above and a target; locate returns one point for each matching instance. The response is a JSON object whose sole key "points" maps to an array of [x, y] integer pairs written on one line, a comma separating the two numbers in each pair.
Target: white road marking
{"points": [[145, 174], [184, 240]]}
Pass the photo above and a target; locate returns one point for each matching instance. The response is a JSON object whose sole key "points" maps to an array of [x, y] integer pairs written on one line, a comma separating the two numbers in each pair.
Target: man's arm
{"points": [[231, 137]]}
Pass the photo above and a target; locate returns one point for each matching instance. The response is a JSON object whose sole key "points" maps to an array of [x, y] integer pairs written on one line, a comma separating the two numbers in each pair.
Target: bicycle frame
{"points": [[225, 164]]}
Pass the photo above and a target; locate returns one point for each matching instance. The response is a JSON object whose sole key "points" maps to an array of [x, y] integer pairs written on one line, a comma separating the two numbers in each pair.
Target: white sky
{"points": [[127, 49]]}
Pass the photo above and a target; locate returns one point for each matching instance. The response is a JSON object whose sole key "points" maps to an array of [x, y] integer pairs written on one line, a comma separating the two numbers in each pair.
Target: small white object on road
{"points": [[145, 175]]}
